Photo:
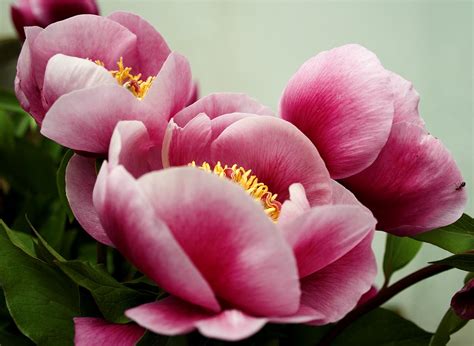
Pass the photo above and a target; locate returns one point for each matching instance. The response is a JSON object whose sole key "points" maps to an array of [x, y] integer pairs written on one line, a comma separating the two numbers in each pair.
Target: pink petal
{"points": [[413, 186], [277, 153], [336, 289], [50, 11], [463, 301], [194, 94], [341, 195], [22, 17], [217, 104], [324, 234], [152, 49], [145, 240], [97, 332], [406, 101], [303, 315], [371, 293], [65, 74], [296, 205], [342, 100], [229, 238], [80, 179]]}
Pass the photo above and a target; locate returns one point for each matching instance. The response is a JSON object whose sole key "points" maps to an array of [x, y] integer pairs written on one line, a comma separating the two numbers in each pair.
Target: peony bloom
{"points": [[253, 231], [463, 301], [79, 77], [44, 12], [364, 121]]}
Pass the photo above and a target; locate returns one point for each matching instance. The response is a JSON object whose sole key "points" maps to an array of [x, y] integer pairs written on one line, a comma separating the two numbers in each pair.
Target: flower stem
{"points": [[385, 294]]}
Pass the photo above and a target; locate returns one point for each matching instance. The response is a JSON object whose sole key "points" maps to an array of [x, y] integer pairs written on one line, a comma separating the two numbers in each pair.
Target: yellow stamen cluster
{"points": [[257, 190]]}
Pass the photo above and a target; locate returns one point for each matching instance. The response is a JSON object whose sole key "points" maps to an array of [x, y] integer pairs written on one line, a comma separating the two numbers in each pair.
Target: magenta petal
{"points": [[80, 179], [336, 289], [463, 301], [218, 104], [324, 234], [277, 153], [406, 100], [413, 186], [151, 50], [65, 74], [342, 100], [97, 332], [145, 240], [229, 238]]}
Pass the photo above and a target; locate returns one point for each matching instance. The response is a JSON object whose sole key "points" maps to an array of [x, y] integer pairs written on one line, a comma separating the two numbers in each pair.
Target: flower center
{"points": [[257, 190], [133, 83]]}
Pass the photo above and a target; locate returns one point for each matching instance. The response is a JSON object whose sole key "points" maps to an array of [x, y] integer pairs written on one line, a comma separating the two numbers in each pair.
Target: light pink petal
{"points": [[229, 238], [98, 332], [413, 186], [294, 206], [171, 88], [218, 104], [132, 147], [343, 101], [66, 73], [277, 153], [371, 293], [222, 122], [303, 315], [80, 179], [336, 289], [406, 100], [194, 94], [151, 47], [324, 234], [145, 240]]}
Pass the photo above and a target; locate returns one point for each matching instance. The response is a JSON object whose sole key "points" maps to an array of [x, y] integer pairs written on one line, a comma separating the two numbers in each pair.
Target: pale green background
{"points": [[255, 46]]}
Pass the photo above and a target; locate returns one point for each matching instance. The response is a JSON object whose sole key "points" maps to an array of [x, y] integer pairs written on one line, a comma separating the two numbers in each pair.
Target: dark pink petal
{"points": [[341, 195], [22, 16], [336, 289], [406, 100], [66, 73], [413, 186], [324, 234], [145, 240], [463, 301], [342, 100], [97, 332], [371, 293], [152, 50], [218, 104], [229, 238], [50, 11], [80, 179], [194, 94], [277, 153]]}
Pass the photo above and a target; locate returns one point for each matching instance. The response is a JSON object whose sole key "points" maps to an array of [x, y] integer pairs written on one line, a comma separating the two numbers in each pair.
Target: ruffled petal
{"points": [[342, 100], [98, 332], [406, 100], [294, 206]]}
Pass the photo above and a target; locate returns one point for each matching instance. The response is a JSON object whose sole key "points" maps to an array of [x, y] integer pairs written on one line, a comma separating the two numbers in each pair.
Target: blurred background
{"points": [[255, 46]]}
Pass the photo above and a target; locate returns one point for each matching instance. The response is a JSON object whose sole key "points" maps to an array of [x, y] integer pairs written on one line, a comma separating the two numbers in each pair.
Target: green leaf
{"points": [[456, 238], [41, 300], [449, 325], [399, 251], [61, 183], [7, 131], [461, 261], [111, 297], [21, 240]]}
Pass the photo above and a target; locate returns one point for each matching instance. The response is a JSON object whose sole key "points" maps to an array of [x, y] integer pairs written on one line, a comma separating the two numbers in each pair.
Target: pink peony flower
{"points": [[463, 301], [79, 77], [364, 121], [234, 248], [44, 12]]}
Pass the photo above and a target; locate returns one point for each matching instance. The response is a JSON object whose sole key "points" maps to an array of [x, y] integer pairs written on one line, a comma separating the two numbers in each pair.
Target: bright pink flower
{"points": [[463, 301], [97, 332], [44, 12], [74, 78], [364, 121], [231, 254]]}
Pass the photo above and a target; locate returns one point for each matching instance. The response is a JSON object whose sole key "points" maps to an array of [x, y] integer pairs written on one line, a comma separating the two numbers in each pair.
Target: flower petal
{"points": [[145, 240], [294, 206], [277, 153], [80, 179], [97, 332], [336, 289], [342, 100], [413, 186], [228, 237], [406, 100], [218, 104], [463, 301], [324, 234]]}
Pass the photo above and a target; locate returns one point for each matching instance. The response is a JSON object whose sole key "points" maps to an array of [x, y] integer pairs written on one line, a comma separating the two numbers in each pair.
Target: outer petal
{"points": [[218, 104], [324, 234], [336, 289], [80, 179], [406, 100], [50, 11], [277, 153], [65, 74], [97, 332], [228, 237], [342, 100], [413, 186], [463, 301], [152, 49], [145, 240], [22, 16]]}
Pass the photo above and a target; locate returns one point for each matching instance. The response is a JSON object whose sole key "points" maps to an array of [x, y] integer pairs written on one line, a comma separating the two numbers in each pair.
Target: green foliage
{"points": [[399, 251], [449, 325], [61, 183], [461, 261]]}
